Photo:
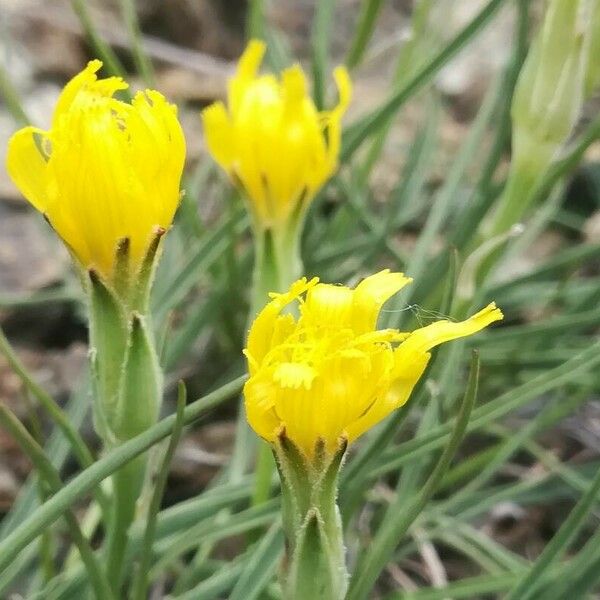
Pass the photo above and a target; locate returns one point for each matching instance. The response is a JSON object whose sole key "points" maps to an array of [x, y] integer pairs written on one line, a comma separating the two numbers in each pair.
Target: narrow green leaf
{"points": [[46, 514], [262, 564], [357, 133], [217, 528], [56, 413], [111, 62], [468, 588], [26, 503], [11, 99], [216, 585], [396, 524], [558, 545], [321, 33], [255, 20], [369, 12], [51, 478], [207, 252], [142, 61], [140, 588]]}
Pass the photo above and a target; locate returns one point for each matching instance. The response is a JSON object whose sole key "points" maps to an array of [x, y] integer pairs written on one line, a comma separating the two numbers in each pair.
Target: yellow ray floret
{"points": [[106, 170], [329, 373], [271, 139]]}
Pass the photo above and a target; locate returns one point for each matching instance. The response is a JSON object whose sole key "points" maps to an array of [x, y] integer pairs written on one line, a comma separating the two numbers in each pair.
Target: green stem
{"points": [[397, 522], [277, 263], [127, 485], [315, 568]]}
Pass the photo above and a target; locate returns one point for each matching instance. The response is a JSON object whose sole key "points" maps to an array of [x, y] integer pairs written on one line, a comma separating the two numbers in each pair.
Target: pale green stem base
{"points": [[127, 486], [315, 567]]}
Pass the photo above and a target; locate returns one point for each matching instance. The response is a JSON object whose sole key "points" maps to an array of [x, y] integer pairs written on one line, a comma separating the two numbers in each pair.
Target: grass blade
{"points": [[357, 133], [140, 589], [571, 370], [320, 48], [30, 528], [369, 12], [529, 583], [142, 62], [260, 568], [51, 479], [111, 63], [396, 524]]}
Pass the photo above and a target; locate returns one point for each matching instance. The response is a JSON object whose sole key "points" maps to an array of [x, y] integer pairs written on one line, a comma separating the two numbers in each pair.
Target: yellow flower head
{"points": [[329, 373], [105, 172], [271, 139]]}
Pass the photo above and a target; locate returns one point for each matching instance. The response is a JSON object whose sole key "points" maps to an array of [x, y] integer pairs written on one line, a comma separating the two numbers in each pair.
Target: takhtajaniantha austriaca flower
{"points": [[271, 139], [106, 174], [321, 375], [329, 373]]}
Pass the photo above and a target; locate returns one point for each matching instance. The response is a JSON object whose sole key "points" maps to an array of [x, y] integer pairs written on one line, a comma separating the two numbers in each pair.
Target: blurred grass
{"points": [[539, 368]]}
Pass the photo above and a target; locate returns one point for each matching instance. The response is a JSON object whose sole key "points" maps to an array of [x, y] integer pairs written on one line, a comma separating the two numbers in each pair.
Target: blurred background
{"points": [[192, 46]]}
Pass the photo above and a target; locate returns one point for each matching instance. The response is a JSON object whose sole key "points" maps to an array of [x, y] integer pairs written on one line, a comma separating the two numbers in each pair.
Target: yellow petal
{"points": [[28, 166], [294, 86], [218, 134], [396, 396], [105, 171], [371, 294], [70, 91], [344, 85], [265, 330], [328, 305], [248, 66], [422, 340], [259, 403], [86, 81], [294, 375], [334, 127]]}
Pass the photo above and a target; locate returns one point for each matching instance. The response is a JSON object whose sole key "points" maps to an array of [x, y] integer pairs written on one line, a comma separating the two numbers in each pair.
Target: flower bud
{"points": [[106, 174], [272, 141]]}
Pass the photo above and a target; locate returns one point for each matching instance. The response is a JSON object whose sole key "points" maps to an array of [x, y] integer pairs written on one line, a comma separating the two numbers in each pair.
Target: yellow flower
{"points": [[329, 373], [271, 140], [105, 172]]}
